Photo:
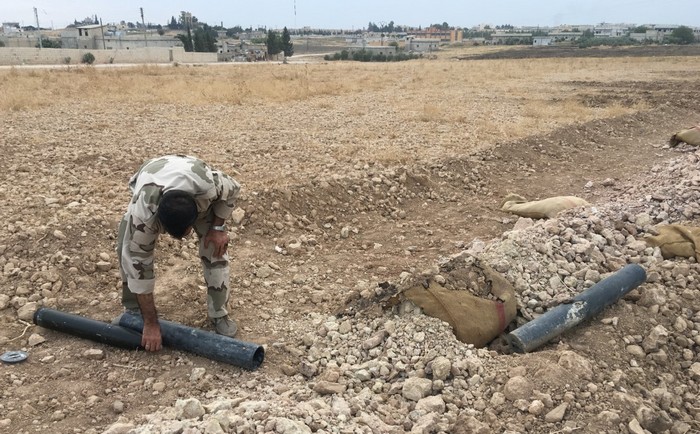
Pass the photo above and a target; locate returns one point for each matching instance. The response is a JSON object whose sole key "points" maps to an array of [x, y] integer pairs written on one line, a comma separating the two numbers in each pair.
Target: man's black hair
{"points": [[177, 212]]}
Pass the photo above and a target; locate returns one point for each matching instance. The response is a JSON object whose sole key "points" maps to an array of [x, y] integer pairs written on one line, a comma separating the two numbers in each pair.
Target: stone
{"points": [[517, 387], [35, 339], [189, 408], [442, 367], [557, 414], [431, 404], [329, 388], [26, 312], [415, 388], [94, 354]]}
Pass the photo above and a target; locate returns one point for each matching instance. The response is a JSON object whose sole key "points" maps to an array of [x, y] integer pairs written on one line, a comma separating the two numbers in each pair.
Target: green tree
{"points": [[640, 29], [233, 31], [49, 43], [205, 39], [682, 35], [2, 44], [186, 40], [287, 45], [173, 23], [273, 43], [89, 58]]}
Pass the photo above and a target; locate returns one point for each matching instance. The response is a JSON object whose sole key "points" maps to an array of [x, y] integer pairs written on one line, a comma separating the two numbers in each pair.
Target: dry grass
{"points": [[346, 110]]}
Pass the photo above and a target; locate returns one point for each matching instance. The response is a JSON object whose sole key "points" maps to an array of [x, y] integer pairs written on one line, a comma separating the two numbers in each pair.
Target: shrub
{"points": [[89, 58], [66, 60]]}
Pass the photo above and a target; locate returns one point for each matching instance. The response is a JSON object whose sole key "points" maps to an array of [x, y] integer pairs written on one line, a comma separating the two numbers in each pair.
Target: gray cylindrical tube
{"points": [[206, 344], [87, 328], [584, 306]]}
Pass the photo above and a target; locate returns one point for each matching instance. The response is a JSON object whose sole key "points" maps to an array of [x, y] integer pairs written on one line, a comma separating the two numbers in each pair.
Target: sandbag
{"points": [[475, 320], [676, 240], [690, 136], [545, 208]]}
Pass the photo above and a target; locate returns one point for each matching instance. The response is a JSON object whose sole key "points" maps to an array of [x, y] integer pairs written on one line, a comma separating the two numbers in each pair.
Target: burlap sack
{"points": [[545, 208], [677, 240], [690, 136], [475, 320]]}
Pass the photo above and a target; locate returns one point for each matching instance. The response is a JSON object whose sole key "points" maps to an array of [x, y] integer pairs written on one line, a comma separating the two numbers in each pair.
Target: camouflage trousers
{"points": [[215, 269]]}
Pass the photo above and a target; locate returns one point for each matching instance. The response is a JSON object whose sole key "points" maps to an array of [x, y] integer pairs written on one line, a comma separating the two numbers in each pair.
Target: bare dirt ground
{"points": [[458, 138]]}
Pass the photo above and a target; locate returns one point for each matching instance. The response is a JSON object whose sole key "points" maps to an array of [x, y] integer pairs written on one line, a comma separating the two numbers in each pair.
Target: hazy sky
{"points": [[356, 14]]}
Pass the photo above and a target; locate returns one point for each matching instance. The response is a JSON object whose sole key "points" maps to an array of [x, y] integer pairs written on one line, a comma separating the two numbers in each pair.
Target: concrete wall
{"points": [[63, 56]]}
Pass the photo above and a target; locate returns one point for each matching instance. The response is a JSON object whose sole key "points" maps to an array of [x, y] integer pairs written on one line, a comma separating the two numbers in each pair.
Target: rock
{"points": [[415, 388], [4, 301], [26, 312], [103, 266], [694, 371], [197, 374], [375, 340], [94, 354], [516, 388], [442, 367], [635, 427], [288, 426], [35, 339], [264, 272], [189, 408], [557, 414], [431, 404], [119, 428], [213, 426], [118, 407], [237, 216], [329, 388], [576, 364]]}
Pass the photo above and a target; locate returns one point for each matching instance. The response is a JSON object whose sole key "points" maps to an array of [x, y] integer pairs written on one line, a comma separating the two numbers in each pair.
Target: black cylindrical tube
{"points": [[206, 344], [582, 307], [87, 328]]}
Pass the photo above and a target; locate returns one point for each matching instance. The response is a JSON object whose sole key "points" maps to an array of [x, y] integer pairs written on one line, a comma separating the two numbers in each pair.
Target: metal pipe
{"points": [[207, 344], [87, 328], [582, 307]]}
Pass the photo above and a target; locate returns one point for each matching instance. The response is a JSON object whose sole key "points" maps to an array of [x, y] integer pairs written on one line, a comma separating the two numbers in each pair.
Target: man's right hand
{"points": [[150, 338]]}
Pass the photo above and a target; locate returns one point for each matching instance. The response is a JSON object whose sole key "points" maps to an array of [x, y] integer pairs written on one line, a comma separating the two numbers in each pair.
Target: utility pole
{"points": [[104, 47], [36, 15], [145, 30]]}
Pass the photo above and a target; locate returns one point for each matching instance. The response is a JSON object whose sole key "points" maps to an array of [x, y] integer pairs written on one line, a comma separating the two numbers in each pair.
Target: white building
{"points": [[422, 45]]}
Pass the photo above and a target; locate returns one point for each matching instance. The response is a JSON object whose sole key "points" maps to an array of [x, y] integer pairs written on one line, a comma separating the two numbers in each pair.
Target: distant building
{"points": [[610, 30], [84, 37], [422, 45], [454, 35], [98, 37], [10, 28], [542, 40], [649, 35], [503, 38], [376, 50], [565, 36]]}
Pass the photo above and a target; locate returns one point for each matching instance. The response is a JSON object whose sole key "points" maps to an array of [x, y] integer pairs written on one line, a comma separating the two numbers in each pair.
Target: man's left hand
{"points": [[220, 241]]}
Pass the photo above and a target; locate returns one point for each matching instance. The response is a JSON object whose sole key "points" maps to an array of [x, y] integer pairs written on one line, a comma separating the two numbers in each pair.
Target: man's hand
{"points": [[151, 339], [220, 241]]}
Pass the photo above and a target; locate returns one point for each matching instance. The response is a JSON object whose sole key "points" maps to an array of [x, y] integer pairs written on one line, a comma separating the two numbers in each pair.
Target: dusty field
{"points": [[412, 159], [521, 52]]}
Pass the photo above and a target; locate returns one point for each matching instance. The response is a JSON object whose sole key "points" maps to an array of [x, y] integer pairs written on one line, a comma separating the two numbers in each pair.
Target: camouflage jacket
{"points": [[212, 190]]}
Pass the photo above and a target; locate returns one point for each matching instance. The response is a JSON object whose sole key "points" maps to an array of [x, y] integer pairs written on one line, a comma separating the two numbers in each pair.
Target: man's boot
{"points": [[225, 326]]}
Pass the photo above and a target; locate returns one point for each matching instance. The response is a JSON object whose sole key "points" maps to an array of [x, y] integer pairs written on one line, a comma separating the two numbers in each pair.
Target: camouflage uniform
{"points": [[214, 193]]}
